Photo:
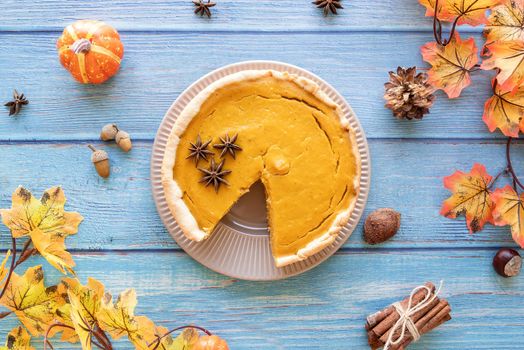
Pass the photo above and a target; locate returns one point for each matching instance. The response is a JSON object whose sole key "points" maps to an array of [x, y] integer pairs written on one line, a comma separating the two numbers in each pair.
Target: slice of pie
{"points": [[289, 135]]}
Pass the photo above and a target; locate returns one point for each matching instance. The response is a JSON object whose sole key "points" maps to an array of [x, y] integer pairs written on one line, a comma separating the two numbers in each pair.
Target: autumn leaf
{"points": [[471, 197], [46, 222], [3, 270], [18, 339], [33, 303], [430, 9], [508, 58], [509, 210], [472, 12], [504, 110], [506, 22], [185, 340], [84, 306], [118, 319], [451, 64]]}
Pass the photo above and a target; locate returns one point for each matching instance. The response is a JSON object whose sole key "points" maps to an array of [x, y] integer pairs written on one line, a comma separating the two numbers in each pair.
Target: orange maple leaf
{"points": [[472, 12], [451, 64], [471, 197], [504, 110], [509, 210], [505, 22], [430, 10], [508, 58]]}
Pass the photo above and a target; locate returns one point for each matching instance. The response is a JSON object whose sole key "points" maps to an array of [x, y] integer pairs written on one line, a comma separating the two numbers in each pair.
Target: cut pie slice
{"points": [[292, 137]]}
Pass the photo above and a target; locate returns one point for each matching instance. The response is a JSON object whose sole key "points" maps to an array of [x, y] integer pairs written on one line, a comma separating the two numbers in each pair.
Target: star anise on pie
{"points": [[328, 6], [16, 104], [203, 8], [198, 150], [214, 174], [228, 145]]}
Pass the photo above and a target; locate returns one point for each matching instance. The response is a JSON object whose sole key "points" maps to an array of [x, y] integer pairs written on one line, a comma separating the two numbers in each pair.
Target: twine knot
{"points": [[405, 321]]}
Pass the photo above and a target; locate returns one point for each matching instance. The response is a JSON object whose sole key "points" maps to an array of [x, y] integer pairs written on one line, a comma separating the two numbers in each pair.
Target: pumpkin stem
{"points": [[81, 46]]}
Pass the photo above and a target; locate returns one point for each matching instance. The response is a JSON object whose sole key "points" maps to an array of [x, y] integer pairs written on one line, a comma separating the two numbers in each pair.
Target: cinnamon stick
{"points": [[434, 318], [416, 317], [391, 319], [380, 324]]}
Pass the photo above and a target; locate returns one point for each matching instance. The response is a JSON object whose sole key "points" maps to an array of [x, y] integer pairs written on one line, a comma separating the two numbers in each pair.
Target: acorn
{"points": [[100, 160], [123, 141], [108, 132], [507, 262], [381, 225]]}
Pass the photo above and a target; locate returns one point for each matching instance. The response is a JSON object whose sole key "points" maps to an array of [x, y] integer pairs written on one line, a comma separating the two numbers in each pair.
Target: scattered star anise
{"points": [[203, 8], [228, 145], [328, 6], [214, 174], [198, 150], [16, 104]]}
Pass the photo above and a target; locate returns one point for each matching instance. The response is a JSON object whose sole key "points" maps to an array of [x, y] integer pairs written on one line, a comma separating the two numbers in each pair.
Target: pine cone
{"points": [[408, 94]]}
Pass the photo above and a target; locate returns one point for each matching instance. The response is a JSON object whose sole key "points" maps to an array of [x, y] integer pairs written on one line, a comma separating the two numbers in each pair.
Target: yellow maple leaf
{"points": [[430, 9], [84, 306], [504, 110], [508, 58], [3, 270], [18, 339], [33, 303], [451, 64], [472, 12], [471, 197], [509, 210], [118, 319], [46, 222], [505, 22], [184, 341]]}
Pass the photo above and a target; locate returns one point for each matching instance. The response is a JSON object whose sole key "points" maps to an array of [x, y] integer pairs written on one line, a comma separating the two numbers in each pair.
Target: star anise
{"points": [[228, 145], [203, 8], [214, 174], [16, 104], [198, 150], [328, 6]]}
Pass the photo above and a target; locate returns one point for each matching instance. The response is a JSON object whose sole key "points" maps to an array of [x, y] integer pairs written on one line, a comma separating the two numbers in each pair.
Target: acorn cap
{"points": [[120, 135], [108, 132], [123, 141], [98, 156]]}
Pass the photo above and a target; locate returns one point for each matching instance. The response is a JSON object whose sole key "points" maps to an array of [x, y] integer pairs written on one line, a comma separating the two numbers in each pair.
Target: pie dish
{"points": [[294, 140]]}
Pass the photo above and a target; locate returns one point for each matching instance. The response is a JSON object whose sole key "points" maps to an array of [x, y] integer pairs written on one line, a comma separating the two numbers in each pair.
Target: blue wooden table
{"points": [[122, 241]]}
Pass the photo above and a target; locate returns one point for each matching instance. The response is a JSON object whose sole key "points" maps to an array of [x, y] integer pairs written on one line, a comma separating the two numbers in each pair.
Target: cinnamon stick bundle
{"points": [[380, 324]]}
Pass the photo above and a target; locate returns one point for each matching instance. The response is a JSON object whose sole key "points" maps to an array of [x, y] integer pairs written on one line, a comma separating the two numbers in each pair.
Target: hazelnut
{"points": [[100, 159], [381, 225], [123, 141], [108, 132], [507, 262]]}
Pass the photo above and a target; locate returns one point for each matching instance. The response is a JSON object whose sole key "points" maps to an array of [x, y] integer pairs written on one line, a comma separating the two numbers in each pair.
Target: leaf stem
{"points": [[46, 337], [510, 166], [159, 338], [11, 268], [437, 27], [101, 336], [495, 179]]}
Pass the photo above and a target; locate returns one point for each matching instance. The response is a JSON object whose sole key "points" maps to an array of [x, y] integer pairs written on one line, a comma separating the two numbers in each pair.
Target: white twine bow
{"points": [[405, 322]]}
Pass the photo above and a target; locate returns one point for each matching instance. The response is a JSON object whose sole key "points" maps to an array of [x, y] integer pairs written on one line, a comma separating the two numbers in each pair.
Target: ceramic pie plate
{"points": [[239, 247]]}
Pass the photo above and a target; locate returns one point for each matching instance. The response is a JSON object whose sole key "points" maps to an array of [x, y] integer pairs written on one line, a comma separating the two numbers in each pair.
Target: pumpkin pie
{"points": [[289, 135]]}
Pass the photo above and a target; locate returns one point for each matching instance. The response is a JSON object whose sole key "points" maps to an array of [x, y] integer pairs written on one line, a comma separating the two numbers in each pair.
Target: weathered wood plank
{"points": [[228, 15], [120, 212], [327, 305], [159, 66]]}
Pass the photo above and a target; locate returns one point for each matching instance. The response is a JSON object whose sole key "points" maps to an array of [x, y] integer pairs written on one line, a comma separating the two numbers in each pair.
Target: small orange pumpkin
{"points": [[210, 342], [90, 50]]}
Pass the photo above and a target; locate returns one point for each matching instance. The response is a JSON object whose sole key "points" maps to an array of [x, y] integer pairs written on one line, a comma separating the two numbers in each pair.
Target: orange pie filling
{"points": [[294, 142]]}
